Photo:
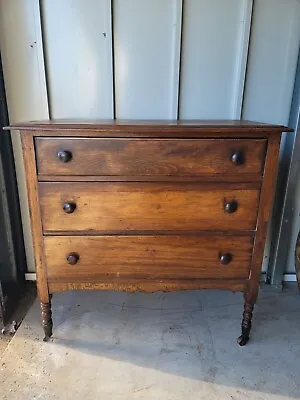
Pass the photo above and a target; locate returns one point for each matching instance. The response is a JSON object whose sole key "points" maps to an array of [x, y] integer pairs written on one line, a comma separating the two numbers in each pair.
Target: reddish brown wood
{"points": [[35, 216], [149, 157], [148, 206], [215, 126], [150, 286], [157, 133], [147, 257], [264, 212], [251, 178], [154, 233]]}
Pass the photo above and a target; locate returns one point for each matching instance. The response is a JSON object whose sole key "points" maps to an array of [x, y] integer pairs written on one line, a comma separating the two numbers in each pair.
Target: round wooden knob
{"points": [[64, 155], [225, 258], [231, 206], [73, 258], [69, 207], [238, 158]]}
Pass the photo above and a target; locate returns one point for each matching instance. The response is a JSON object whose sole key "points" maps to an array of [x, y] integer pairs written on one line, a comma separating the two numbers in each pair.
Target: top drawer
{"points": [[149, 157]]}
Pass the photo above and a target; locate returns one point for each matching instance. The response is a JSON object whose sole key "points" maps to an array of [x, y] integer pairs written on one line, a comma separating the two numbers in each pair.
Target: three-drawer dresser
{"points": [[149, 206]]}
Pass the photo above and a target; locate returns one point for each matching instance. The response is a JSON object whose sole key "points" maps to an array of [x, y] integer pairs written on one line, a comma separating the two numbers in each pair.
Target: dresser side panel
{"points": [[35, 216], [264, 213]]}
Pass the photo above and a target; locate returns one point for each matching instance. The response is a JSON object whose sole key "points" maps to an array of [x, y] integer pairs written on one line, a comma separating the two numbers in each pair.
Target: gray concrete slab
{"points": [[27, 298], [181, 345]]}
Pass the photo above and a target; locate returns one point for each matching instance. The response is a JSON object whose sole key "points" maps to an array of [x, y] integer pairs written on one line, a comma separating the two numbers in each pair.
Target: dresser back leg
{"points": [[47, 320]]}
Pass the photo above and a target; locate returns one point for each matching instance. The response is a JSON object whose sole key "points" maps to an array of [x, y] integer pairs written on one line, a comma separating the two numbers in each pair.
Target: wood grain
{"points": [[206, 126], [149, 215], [155, 233], [264, 213], [148, 178], [147, 257], [150, 286], [156, 133], [149, 157], [147, 206], [35, 216]]}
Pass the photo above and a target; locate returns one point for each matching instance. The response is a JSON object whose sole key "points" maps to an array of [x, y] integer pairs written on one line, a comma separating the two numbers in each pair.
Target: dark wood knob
{"points": [[69, 207], [73, 258], [225, 258], [64, 155], [238, 158], [231, 206]]}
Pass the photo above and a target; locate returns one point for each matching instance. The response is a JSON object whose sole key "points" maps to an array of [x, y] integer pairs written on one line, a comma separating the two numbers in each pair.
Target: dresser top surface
{"points": [[206, 126]]}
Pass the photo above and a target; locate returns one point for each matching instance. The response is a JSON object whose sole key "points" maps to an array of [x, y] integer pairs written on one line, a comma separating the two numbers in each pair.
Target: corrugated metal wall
{"points": [[147, 59]]}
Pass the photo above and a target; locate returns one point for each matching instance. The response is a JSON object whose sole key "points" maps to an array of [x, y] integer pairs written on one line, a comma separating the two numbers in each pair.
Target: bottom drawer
{"points": [[107, 258]]}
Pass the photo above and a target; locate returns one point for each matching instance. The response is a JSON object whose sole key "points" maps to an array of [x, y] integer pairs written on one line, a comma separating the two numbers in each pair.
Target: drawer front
{"points": [[98, 206], [149, 157], [96, 258]]}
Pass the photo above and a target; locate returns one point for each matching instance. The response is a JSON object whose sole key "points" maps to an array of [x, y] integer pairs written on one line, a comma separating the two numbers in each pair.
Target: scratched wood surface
{"points": [[150, 157], [147, 206], [147, 257]]}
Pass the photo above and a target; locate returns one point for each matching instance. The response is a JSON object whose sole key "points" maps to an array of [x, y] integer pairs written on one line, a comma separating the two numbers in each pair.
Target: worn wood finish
{"points": [[101, 258], [154, 233], [149, 157], [137, 205], [174, 126], [156, 133], [264, 213], [47, 322], [265, 207], [150, 286], [35, 216], [147, 178], [246, 323], [146, 206]]}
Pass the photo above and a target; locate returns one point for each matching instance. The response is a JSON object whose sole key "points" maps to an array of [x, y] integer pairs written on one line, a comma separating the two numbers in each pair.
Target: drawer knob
{"points": [[73, 258], [64, 155], [238, 158], [69, 208], [225, 258], [231, 207]]}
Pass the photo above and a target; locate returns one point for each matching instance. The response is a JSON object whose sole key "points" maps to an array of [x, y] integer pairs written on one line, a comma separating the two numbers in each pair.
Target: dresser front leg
{"points": [[47, 320], [246, 324]]}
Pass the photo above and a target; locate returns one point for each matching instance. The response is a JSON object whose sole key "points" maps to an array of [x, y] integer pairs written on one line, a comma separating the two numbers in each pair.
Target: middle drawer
{"points": [[99, 206]]}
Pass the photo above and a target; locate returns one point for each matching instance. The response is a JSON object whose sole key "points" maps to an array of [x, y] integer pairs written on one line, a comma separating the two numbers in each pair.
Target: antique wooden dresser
{"points": [[149, 206]]}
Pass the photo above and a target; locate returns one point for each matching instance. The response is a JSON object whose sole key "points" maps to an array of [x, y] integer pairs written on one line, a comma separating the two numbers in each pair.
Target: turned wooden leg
{"points": [[47, 320], [246, 324]]}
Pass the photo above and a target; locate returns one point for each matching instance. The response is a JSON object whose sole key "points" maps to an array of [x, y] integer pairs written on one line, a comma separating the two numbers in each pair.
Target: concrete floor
{"points": [[181, 345], [25, 302]]}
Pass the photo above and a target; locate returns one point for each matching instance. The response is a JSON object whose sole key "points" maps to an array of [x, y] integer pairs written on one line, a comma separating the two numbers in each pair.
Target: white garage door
{"points": [[147, 59]]}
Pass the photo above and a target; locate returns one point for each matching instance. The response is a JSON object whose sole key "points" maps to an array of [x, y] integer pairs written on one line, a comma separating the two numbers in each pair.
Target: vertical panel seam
{"points": [[244, 57], [113, 59], [177, 46], [248, 56], [44, 51]]}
